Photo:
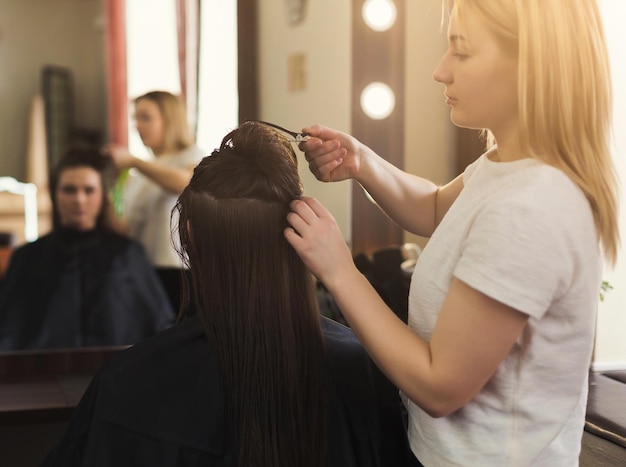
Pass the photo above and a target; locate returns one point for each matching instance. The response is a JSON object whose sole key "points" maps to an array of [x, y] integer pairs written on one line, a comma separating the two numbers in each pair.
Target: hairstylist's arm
{"points": [[465, 349], [113, 221], [172, 179], [416, 204]]}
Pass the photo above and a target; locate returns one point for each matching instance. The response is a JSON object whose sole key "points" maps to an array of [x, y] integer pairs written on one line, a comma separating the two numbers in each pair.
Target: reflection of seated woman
{"points": [[256, 377], [82, 284]]}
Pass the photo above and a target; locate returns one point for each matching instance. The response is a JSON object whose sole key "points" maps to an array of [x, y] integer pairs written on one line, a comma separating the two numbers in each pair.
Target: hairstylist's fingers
{"points": [[315, 148], [323, 158], [307, 218], [301, 216], [315, 206], [305, 223], [316, 237], [319, 131], [310, 144], [309, 209], [320, 140], [336, 154], [294, 239]]}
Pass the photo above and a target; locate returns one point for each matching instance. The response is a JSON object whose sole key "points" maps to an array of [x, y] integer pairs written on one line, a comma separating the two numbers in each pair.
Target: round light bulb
{"points": [[379, 15], [377, 100]]}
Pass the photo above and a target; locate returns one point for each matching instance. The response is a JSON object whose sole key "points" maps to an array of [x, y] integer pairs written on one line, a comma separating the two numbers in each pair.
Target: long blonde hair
{"points": [[564, 92], [176, 135]]}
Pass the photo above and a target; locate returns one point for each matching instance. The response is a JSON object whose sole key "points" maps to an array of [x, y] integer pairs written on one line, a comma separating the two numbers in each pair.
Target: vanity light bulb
{"points": [[377, 100], [379, 15]]}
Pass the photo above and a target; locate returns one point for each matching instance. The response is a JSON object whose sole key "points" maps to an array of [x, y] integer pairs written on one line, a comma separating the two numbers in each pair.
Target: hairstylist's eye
{"points": [[142, 118]]}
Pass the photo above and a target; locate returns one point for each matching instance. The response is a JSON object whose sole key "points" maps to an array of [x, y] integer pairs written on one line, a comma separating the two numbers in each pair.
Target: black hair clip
{"points": [[295, 137]]}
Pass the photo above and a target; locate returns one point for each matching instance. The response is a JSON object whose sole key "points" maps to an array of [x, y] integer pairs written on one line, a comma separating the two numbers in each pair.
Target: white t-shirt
{"points": [[148, 208], [522, 233]]}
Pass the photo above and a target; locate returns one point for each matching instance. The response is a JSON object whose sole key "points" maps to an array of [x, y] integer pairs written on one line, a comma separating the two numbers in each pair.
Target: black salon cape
{"points": [[75, 289], [160, 403]]}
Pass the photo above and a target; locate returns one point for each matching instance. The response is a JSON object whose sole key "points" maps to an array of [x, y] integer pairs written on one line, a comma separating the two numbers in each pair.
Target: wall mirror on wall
{"points": [[79, 96]]}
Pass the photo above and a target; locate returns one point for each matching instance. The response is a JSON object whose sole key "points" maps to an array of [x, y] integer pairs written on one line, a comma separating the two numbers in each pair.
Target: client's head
{"points": [[256, 298], [79, 185]]}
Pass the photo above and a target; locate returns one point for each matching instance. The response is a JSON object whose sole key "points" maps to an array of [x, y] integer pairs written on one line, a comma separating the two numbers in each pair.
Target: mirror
{"points": [[270, 74], [70, 34], [59, 45], [52, 52]]}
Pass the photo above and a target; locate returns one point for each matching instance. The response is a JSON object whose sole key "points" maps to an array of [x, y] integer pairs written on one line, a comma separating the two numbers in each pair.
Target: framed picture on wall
{"points": [[58, 95]]}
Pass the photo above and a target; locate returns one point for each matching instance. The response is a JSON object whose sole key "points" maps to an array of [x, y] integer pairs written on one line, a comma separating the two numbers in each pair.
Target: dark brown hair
{"points": [[78, 157], [256, 299]]}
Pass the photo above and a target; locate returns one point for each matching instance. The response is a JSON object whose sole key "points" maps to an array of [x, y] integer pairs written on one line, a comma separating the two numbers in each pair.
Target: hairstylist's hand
{"points": [[332, 155], [121, 157], [316, 237]]}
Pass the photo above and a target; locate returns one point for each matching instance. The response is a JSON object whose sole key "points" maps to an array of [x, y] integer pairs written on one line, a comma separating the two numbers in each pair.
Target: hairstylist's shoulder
{"points": [[544, 191], [529, 236], [561, 210], [192, 154], [561, 187], [471, 168], [190, 157]]}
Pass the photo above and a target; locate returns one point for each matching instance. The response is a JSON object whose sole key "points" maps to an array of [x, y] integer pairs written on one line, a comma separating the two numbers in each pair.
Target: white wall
{"points": [[151, 57], [324, 38], [610, 352], [429, 142], [51, 32]]}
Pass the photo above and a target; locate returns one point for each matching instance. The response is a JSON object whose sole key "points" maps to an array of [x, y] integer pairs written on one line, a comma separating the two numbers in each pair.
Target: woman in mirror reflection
{"points": [[82, 284], [257, 377], [493, 365], [155, 184]]}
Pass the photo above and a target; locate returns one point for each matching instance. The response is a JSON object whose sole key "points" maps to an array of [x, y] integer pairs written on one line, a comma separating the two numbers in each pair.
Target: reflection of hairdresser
{"points": [[81, 284], [257, 377], [150, 196]]}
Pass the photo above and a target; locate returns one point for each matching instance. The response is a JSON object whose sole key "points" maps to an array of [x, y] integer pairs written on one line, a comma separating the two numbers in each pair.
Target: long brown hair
{"points": [[256, 299]]}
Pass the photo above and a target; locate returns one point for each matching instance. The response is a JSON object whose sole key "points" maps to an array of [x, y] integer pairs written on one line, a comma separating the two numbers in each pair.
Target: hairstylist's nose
{"points": [[441, 73]]}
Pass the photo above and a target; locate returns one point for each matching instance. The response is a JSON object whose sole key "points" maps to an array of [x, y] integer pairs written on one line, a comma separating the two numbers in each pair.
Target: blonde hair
{"points": [[176, 135], [564, 92]]}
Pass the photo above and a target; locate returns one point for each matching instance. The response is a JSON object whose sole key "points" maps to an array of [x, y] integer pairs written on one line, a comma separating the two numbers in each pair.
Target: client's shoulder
{"points": [[166, 387], [340, 339], [163, 352], [348, 359]]}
